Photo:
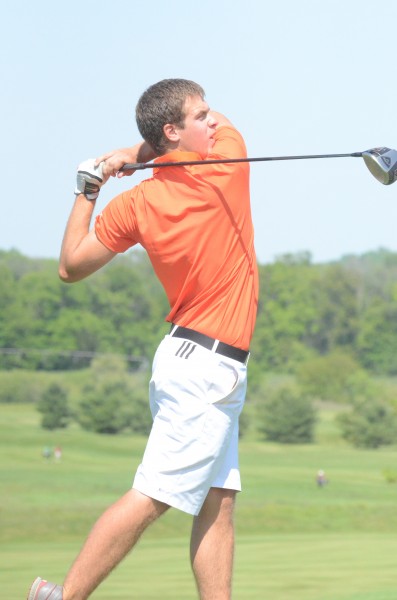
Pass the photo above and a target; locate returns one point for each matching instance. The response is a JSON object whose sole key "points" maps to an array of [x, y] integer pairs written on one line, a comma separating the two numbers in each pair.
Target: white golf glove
{"points": [[89, 179]]}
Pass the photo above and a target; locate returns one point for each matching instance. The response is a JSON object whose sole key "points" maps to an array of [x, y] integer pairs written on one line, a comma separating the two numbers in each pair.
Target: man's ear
{"points": [[171, 132]]}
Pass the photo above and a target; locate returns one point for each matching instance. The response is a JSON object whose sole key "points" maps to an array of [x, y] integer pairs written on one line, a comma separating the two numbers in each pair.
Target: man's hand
{"points": [[90, 178], [113, 161]]}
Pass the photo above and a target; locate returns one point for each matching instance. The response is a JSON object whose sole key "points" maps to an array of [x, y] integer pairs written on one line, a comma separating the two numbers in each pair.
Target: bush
{"points": [[286, 416], [103, 409], [18, 387], [115, 401], [370, 424], [243, 423], [327, 377], [54, 408], [390, 475]]}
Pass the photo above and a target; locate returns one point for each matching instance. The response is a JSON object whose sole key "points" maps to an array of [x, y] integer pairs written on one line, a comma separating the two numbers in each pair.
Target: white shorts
{"points": [[196, 397]]}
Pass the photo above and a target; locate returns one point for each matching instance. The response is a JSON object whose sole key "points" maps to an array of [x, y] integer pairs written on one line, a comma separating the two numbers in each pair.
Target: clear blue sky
{"points": [[296, 77]]}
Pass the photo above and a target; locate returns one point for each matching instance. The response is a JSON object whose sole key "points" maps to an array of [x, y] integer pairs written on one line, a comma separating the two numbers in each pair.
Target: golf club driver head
{"points": [[382, 162]]}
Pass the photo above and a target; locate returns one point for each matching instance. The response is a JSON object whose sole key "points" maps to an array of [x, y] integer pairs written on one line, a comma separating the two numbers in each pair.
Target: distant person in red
{"points": [[195, 224]]}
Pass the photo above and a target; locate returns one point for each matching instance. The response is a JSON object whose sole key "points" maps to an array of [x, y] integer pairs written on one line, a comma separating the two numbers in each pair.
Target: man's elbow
{"points": [[67, 276]]}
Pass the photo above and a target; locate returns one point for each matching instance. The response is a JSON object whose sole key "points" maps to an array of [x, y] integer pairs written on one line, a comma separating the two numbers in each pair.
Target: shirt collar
{"points": [[175, 156]]}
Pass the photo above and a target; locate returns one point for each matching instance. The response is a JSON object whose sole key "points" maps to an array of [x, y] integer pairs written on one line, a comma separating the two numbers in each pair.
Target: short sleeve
{"points": [[115, 226]]}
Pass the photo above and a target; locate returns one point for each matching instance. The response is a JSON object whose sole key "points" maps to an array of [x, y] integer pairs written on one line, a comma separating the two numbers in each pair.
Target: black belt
{"points": [[209, 343]]}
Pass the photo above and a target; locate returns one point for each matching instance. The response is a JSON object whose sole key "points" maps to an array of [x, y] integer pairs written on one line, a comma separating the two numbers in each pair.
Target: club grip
{"points": [[136, 166]]}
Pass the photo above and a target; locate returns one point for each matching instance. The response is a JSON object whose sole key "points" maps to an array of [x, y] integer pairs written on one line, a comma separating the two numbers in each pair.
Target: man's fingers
{"points": [[108, 170], [127, 173], [111, 167], [114, 161], [103, 158]]}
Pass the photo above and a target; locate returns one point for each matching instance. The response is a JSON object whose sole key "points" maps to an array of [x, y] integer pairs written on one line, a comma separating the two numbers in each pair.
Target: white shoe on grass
{"points": [[44, 590]]}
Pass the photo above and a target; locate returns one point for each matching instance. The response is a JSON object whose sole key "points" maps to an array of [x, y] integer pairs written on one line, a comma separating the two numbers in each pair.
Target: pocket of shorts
{"points": [[224, 381], [224, 405]]}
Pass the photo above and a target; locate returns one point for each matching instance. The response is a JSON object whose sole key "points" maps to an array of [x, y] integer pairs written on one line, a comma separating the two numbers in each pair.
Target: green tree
{"points": [[377, 341], [370, 424], [286, 416], [244, 423], [115, 400], [337, 309], [79, 331], [140, 419], [304, 310], [327, 377], [20, 387], [286, 313], [54, 407], [376, 272], [103, 408]]}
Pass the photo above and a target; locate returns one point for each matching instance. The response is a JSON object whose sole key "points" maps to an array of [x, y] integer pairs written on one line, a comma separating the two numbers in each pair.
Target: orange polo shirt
{"points": [[195, 224]]}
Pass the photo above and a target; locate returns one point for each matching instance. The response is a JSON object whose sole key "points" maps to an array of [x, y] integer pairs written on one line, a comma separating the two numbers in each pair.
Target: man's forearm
{"points": [[82, 253], [144, 152], [113, 161], [76, 229]]}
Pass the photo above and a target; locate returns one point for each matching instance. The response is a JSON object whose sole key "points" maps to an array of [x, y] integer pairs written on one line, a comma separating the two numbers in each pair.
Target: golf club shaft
{"points": [[150, 165]]}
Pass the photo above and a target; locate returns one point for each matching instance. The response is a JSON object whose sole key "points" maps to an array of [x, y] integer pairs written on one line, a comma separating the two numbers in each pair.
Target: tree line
{"points": [[305, 310], [325, 332]]}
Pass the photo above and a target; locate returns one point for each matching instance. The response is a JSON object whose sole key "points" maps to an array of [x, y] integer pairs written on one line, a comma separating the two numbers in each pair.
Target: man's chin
{"points": [[210, 147]]}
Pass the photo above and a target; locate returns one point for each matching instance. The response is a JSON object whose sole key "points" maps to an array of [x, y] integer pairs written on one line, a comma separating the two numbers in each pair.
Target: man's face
{"points": [[199, 127]]}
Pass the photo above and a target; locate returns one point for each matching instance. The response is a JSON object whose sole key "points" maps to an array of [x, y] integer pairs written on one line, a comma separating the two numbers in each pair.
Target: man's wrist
{"points": [[89, 179], [91, 197], [83, 197]]}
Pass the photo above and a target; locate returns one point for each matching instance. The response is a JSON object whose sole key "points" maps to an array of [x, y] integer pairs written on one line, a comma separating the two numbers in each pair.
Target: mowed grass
{"points": [[294, 541]]}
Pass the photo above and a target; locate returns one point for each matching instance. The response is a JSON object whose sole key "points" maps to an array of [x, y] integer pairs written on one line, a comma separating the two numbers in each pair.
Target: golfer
{"points": [[195, 224]]}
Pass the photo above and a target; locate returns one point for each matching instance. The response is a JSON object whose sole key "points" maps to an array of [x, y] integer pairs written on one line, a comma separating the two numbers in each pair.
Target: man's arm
{"points": [[220, 119], [113, 161], [82, 253]]}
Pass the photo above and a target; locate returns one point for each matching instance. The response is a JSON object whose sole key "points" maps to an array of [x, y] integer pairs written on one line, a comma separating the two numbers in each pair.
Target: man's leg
{"points": [[112, 537], [212, 545]]}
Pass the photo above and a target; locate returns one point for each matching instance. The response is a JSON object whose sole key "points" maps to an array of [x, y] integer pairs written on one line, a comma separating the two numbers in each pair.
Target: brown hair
{"points": [[163, 103]]}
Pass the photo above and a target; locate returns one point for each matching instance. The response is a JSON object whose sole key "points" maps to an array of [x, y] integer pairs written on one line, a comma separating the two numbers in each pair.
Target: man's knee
{"points": [[219, 505], [222, 496]]}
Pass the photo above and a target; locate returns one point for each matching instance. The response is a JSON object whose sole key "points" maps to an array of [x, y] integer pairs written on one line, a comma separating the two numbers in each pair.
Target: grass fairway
{"points": [[275, 567], [294, 541]]}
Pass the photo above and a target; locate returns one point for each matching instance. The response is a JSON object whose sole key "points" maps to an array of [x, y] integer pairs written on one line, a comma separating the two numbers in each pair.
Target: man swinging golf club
{"points": [[195, 224]]}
